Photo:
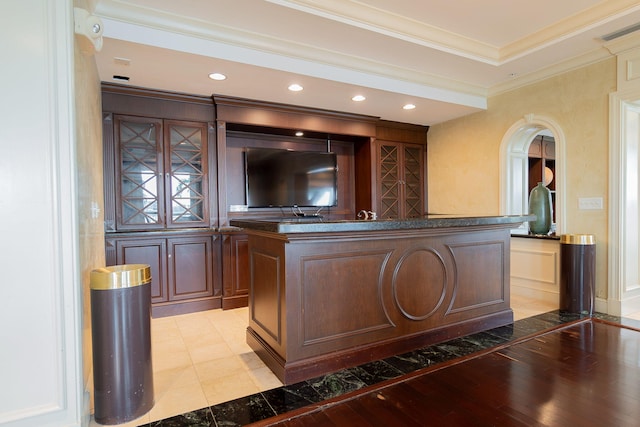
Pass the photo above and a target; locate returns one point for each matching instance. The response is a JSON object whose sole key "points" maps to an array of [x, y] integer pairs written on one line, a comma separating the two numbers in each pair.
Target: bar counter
{"points": [[327, 295], [312, 224]]}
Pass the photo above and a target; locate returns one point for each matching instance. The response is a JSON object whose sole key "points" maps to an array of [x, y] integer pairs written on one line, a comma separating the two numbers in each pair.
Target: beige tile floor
{"points": [[201, 359]]}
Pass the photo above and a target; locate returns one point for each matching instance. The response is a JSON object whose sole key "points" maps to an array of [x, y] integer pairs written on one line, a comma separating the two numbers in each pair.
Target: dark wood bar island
{"points": [[326, 295]]}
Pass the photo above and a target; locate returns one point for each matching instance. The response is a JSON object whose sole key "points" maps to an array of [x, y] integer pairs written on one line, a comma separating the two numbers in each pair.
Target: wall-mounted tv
{"points": [[287, 178]]}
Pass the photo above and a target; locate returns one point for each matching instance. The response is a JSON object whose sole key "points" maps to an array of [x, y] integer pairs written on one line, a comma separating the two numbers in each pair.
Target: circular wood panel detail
{"points": [[419, 283]]}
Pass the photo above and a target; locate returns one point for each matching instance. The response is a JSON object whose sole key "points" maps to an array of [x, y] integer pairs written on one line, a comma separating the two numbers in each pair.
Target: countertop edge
{"points": [[306, 225]]}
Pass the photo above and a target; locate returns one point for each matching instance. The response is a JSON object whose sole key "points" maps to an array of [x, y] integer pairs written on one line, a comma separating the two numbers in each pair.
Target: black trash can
{"points": [[121, 337], [577, 273]]}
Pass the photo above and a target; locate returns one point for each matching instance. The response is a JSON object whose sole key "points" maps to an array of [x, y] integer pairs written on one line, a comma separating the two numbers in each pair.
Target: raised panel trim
{"points": [[380, 324], [275, 329], [541, 274], [453, 307], [174, 292], [445, 283], [45, 301]]}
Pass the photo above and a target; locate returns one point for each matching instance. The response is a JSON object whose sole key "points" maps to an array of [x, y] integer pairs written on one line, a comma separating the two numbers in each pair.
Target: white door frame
{"points": [[624, 219]]}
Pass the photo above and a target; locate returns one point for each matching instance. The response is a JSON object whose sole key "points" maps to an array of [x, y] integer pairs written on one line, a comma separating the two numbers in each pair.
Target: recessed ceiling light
{"points": [[299, 133], [217, 76], [358, 98], [295, 87], [409, 107]]}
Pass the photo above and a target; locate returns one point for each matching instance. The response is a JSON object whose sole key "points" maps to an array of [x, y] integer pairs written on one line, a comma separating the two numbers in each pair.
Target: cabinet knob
{"points": [[169, 256]]}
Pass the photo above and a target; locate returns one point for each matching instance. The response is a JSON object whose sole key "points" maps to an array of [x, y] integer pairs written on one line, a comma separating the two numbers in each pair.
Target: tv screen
{"points": [[285, 178]]}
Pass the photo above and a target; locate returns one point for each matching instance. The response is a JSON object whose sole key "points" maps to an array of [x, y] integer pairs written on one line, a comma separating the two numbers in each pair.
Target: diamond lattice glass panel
{"points": [[187, 174], [389, 177], [413, 197], [138, 173]]}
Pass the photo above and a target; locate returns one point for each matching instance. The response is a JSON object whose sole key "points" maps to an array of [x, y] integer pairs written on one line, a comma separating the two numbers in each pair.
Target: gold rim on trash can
{"points": [[578, 239], [120, 276]]}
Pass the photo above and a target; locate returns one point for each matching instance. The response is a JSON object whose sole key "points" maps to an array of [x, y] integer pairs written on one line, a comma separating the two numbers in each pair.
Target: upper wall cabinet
{"points": [[161, 173], [400, 178], [159, 161]]}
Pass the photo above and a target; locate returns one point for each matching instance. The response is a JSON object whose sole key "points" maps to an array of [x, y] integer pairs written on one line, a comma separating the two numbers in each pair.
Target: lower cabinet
{"points": [[235, 270], [185, 269]]}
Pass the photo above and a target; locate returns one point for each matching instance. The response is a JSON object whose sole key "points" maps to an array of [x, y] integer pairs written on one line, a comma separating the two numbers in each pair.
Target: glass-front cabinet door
{"points": [[187, 201], [400, 180], [389, 181], [139, 167], [161, 170], [412, 181]]}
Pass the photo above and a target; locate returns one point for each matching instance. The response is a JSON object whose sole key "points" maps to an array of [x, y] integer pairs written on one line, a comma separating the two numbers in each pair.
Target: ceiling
{"points": [[445, 57]]}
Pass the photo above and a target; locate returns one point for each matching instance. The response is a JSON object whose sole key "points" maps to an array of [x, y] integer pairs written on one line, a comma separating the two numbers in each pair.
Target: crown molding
{"points": [[571, 64], [619, 45], [562, 30], [140, 19], [383, 22]]}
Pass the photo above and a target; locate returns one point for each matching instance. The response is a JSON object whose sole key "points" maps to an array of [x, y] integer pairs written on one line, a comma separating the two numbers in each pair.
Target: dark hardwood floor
{"points": [[584, 373]]}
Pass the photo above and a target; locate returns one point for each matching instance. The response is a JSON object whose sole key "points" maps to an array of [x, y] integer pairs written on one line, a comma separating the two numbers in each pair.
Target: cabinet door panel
{"points": [[139, 167], [148, 251], [190, 268], [187, 201], [401, 181], [241, 267], [389, 180], [236, 265], [413, 183]]}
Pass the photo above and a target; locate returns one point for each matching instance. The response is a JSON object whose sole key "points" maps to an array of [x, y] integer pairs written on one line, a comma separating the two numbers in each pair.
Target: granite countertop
{"points": [[319, 225]]}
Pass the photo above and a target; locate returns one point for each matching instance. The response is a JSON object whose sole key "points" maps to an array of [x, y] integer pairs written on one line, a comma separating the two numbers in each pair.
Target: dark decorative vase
{"points": [[540, 206]]}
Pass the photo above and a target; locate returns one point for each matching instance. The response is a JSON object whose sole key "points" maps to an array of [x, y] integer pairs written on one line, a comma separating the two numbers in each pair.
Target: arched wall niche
{"points": [[514, 167]]}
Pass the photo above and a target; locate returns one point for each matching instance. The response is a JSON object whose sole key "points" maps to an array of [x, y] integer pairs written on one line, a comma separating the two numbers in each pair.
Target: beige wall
{"points": [[464, 154], [90, 186]]}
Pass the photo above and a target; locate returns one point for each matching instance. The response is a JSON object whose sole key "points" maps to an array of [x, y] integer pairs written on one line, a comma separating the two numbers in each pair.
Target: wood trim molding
{"points": [[261, 113]]}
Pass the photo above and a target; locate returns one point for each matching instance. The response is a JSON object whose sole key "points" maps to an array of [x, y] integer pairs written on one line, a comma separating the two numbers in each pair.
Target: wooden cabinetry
{"points": [[327, 299], [243, 123], [174, 163], [185, 269], [542, 165], [159, 160], [161, 194], [400, 178], [235, 269], [161, 173]]}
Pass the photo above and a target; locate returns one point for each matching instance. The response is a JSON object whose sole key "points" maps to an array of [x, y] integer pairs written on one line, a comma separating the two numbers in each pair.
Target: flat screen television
{"points": [[287, 178]]}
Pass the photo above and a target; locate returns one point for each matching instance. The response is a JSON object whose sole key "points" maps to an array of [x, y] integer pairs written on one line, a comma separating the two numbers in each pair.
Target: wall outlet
{"points": [[590, 203], [238, 208]]}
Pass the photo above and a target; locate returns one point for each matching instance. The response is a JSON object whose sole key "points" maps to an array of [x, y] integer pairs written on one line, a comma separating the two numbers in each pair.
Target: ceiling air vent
{"points": [[620, 33]]}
